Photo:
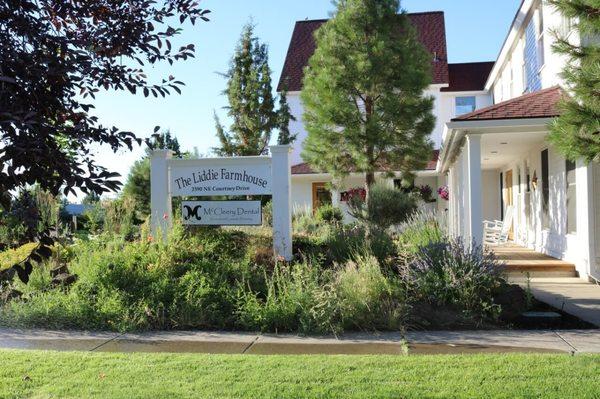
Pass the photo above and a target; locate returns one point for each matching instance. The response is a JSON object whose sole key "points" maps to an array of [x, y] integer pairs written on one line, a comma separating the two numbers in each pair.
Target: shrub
{"points": [[345, 241], [385, 207], [120, 217], [292, 292], [305, 299], [11, 257], [267, 211], [329, 214], [451, 273], [367, 298], [421, 229]]}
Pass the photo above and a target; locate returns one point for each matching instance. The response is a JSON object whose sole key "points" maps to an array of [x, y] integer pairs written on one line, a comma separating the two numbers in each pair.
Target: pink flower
{"points": [[165, 216], [444, 193]]}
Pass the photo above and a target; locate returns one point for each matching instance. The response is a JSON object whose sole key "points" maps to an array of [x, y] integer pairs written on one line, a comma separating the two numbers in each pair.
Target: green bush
{"points": [[385, 207], [329, 214], [303, 298], [420, 230], [455, 274], [367, 298]]}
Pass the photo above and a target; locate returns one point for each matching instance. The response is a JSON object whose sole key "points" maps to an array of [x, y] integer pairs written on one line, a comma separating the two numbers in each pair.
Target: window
{"points": [[464, 105], [532, 57], [540, 38], [545, 190], [571, 197], [566, 26]]}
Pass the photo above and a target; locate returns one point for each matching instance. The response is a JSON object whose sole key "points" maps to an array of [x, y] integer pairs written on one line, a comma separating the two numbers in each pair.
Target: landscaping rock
{"points": [[64, 279]]}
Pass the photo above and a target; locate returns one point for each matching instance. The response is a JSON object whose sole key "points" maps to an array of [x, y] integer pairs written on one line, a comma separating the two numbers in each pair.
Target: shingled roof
{"points": [[539, 104], [305, 169], [470, 76], [430, 27]]}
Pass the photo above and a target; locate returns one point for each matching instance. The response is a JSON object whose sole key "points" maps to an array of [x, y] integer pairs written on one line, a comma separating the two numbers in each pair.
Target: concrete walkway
{"points": [[453, 342], [574, 296]]}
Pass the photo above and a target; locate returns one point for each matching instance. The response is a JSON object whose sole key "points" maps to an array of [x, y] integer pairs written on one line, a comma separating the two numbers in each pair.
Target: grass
{"points": [[99, 375]]}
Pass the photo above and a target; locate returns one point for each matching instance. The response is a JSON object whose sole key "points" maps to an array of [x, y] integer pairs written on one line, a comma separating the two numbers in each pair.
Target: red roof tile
{"points": [[468, 76], [430, 27], [305, 169], [539, 104]]}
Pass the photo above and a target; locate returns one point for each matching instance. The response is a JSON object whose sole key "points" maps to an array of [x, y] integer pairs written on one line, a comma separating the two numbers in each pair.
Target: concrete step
{"points": [[548, 280]]}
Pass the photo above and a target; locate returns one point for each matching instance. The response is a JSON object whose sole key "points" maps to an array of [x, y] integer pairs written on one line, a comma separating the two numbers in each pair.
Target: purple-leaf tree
{"points": [[55, 55]]}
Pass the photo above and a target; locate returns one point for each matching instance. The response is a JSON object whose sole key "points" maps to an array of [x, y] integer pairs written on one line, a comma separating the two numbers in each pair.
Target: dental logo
{"points": [[192, 212]]}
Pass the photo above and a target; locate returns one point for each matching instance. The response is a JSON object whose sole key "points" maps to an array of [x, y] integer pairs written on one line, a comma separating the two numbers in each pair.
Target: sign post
{"points": [[235, 176]]}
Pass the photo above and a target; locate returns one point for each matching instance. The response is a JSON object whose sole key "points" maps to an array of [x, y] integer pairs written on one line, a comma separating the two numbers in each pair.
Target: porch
{"points": [[500, 167], [522, 263]]}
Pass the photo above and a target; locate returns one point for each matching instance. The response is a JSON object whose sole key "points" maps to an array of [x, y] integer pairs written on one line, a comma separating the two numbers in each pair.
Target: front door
{"points": [[320, 195], [508, 199]]}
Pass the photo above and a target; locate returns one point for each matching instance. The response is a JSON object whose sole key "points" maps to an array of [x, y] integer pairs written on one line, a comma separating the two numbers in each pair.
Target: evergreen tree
{"points": [[365, 109], [251, 103], [576, 133], [164, 141], [284, 118], [137, 185]]}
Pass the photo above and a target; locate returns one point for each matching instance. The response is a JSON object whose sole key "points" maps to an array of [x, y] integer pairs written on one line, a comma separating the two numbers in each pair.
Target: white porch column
{"points": [[585, 219], [282, 201], [475, 221], [160, 193]]}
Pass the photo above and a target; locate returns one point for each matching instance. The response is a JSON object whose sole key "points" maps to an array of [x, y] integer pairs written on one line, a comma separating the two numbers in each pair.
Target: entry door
{"points": [[320, 195], [508, 200]]}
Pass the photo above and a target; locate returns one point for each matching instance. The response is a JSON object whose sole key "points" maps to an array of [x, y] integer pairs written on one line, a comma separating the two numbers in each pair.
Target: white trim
{"points": [[513, 35], [455, 131]]}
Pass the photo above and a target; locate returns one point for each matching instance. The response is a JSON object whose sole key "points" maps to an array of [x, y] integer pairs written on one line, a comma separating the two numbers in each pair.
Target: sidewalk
{"points": [[438, 342]]}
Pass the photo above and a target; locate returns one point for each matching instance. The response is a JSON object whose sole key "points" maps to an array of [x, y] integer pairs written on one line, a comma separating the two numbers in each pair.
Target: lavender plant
{"points": [[455, 274]]}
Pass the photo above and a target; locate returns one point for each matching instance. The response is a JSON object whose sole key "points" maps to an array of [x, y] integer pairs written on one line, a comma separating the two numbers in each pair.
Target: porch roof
{"points": [[529, 115], [539, 104]]}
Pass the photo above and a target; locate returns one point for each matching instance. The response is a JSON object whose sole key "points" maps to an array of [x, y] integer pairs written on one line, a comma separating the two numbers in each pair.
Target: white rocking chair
{"points": [[496, 232]]}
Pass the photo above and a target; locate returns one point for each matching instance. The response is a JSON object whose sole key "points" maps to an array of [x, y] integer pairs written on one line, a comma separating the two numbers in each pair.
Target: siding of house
{"points": [[510, 78]]}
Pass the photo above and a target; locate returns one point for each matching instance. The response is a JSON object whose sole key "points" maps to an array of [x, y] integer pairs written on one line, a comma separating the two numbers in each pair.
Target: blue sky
{"points": [[475, 31]]}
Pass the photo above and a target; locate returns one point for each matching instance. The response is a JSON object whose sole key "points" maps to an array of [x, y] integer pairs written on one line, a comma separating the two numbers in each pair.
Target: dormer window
{"points": [[464, 105]]}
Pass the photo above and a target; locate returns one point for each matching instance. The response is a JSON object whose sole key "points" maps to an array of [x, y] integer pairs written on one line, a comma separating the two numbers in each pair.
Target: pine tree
{"points": [[284, 118], [251, 103], [365, 109], [576, 133]]}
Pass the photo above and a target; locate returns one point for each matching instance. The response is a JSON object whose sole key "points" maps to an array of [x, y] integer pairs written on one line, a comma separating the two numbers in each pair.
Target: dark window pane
{"points": [[545, 190]]}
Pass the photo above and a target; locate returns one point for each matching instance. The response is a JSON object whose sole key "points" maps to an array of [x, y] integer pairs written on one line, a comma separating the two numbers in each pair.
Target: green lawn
{"points": [[80, 375]]}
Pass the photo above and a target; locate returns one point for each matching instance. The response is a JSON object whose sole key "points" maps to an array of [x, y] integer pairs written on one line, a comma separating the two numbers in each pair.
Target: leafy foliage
{"points": [[251, 102], [137, 186], [365, 109], [55, 57], [452, 273], [329, 214], [576, 133], [386, 206], [283, 118]]}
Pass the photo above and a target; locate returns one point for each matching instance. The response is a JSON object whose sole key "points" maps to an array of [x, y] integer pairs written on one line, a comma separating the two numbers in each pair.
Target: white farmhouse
{"points": [[490, 138]]}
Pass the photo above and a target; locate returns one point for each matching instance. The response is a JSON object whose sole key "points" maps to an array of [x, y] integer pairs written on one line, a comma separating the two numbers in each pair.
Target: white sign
{"points": [[224, 176], [222, 213], [232, 176]]}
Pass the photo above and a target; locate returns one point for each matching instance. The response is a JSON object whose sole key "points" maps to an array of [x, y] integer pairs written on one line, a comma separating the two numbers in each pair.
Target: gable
{"points": [[431, 31]]}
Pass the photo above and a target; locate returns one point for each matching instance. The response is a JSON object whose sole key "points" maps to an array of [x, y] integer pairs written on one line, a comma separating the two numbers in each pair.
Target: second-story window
{"points": [[464, 105], [540, 37]]}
